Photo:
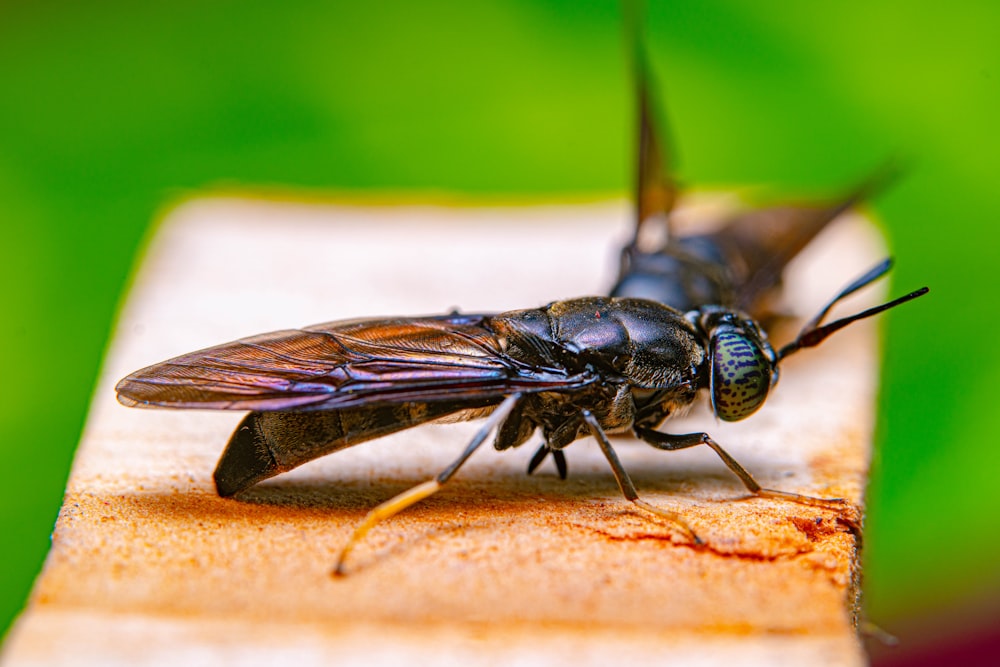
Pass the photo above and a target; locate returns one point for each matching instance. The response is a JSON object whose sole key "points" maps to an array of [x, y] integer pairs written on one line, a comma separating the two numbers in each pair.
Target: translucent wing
{"points": [[345, 364]]}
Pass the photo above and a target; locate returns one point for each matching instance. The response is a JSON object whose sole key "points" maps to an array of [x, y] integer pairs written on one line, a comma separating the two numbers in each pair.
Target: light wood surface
{"points": [[149, 566]]}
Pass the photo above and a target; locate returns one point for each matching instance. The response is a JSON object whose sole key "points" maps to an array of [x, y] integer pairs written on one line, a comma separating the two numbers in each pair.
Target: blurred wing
{"points": [[656, 191], [761, 243], [344, 364]]}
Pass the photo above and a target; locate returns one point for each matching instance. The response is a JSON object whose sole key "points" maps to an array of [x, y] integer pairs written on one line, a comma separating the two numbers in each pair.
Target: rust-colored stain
{"points": [[814, 528]]}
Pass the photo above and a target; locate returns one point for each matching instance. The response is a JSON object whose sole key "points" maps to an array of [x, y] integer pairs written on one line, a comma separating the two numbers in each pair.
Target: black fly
{"points": [[588, 366], [724, 278]]}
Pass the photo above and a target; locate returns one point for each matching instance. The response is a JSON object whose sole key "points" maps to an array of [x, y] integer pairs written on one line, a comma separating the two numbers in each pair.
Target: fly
{"points": [[589, 366], [594, 365], [737, 264], [729, 273]]}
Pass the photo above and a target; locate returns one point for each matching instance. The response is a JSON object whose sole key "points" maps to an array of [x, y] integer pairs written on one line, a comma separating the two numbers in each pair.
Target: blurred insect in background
{"points": [[734, 270], [672, 327], [740, 261]]}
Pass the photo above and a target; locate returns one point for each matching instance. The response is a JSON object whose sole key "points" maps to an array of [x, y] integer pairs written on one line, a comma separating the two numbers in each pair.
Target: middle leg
{"points": [[625, 482]]}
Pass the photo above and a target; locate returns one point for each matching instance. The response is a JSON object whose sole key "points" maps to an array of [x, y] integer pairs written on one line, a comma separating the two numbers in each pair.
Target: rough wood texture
{"points": [[149, 566]]}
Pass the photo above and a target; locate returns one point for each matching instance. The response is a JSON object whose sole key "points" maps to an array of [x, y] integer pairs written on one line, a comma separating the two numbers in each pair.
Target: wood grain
{"points": [[149, 566]]}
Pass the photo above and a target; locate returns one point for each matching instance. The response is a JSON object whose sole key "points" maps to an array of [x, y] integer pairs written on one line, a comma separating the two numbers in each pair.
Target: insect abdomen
{"points": [[268, 443]]}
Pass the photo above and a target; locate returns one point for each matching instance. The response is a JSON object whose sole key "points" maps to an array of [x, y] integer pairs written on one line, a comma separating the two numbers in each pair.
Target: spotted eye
{"points": [[741, 375]]}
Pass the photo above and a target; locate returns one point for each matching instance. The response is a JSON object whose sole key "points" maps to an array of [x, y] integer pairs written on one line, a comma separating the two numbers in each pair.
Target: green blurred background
{"points": [[111, 110]]}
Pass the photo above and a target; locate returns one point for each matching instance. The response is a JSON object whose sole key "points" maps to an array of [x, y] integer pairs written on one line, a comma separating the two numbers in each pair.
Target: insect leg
{"points": [[625, 482], [557, 455], [560, 459], [669, 441], [400, 502], [539, 456]]}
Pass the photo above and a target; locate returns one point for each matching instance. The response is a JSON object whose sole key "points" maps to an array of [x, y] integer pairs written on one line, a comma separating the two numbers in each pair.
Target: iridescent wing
{"points": [[344, 365]]}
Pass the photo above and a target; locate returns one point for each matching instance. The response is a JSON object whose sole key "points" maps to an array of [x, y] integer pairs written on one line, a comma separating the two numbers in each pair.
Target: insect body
{"points": [[626, 361]]}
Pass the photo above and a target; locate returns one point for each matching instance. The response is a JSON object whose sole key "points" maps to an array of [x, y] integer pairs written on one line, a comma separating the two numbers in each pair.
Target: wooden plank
{"points": [[149, 566]]}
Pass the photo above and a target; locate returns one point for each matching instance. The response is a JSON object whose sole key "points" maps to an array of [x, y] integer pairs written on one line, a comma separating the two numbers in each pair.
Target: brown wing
{"points": [[759, 244], [344, 364], [656, 190]]}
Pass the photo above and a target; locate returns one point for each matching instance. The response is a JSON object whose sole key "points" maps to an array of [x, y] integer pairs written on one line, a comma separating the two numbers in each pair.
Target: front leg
{"points": [[683, 441]]}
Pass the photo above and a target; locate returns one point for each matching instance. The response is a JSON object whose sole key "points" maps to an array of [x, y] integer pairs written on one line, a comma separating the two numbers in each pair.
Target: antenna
{"points": [[813, 334]]}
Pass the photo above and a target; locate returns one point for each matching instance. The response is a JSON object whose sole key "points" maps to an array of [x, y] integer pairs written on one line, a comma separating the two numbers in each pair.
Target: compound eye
{"points": [[741, 376]]}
